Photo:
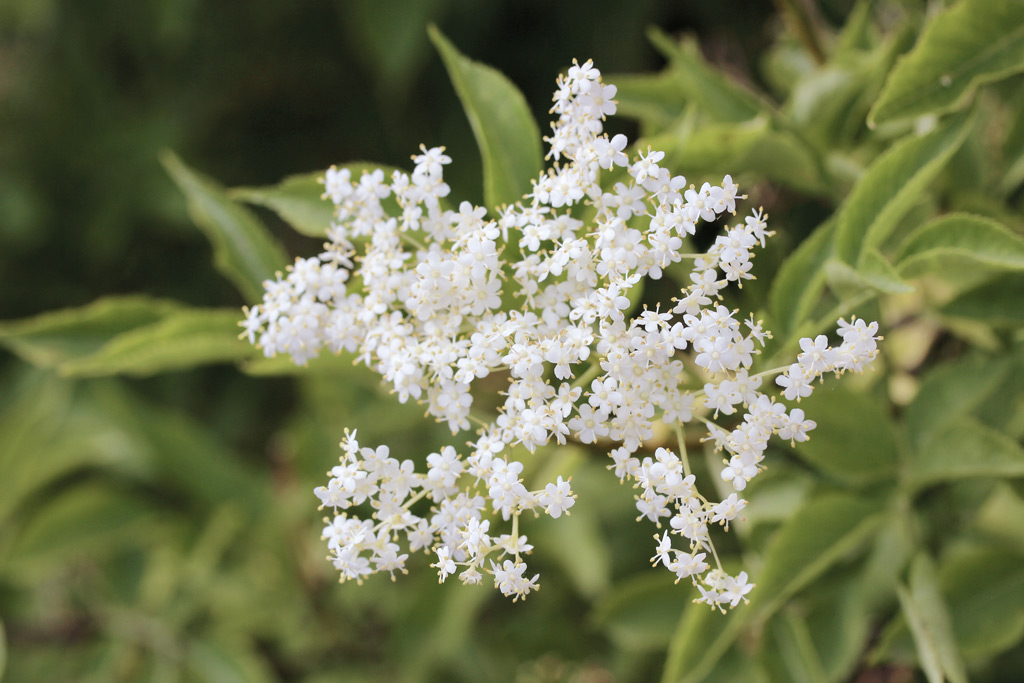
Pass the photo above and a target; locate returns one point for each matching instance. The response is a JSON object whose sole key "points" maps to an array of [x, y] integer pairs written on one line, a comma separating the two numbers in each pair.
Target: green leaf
{"points": [[930, 624], [970, 43], [891, 185], [823, 532], [801, 280], [299, 201], [183, 339], [505, 131], [296, 199], [952, 390], [796, 648], [51, 338], [701, 639], [581, 550], [875, 274], [639, 613], [244, 251], [183, 455], [840, 445], [1001, 517], [721, 96], [960, 241], [997, 302], [984, 589], [3, 650], [965, 448], [753, 147], [653, 99], [212, 662], [84, 521]]}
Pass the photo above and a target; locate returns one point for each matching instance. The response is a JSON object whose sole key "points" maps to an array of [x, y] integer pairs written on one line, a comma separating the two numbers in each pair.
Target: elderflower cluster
{"points": [[542, 293]]}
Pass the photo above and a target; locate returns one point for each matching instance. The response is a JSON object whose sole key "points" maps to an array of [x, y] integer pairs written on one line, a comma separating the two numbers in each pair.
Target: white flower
{"points": [[557, 498], [435, 299], [445, 566]]}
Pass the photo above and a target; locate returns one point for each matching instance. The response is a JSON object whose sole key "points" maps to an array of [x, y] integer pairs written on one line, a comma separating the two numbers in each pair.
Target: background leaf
{"points": [[966, 448], [505, 131], [930, 624], [54, 337], [969, 43], [960, 240], [244, 251], [891, 185], [840, 445], [183, 339]]}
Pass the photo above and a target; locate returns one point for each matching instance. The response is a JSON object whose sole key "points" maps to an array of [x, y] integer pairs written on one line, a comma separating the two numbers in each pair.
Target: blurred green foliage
{"points": [[157, 523]]}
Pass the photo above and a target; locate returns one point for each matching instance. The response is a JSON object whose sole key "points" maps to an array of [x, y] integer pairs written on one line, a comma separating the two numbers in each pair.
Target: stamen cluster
{"points": [[435, 299]]}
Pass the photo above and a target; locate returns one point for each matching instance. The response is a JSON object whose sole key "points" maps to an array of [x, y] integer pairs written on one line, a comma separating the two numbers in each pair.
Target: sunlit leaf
{"points": [[960, 241], [799, 283], [970, 43], [754, 147], [891, 185], [243, 249], [505, 131]]}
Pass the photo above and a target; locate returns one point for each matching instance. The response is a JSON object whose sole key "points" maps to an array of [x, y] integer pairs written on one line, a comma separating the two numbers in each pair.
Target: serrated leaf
{"points": [[969, 43], [965, 448], [890, 187], [930, 624], [183, 339], [952, 390], [840, 445], [244, 251], [997, 302], [505, 131], [51, 338], [960, 241]]}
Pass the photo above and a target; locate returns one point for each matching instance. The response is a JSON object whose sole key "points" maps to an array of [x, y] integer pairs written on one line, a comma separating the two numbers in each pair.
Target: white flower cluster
{"points": [[421, 301]]}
